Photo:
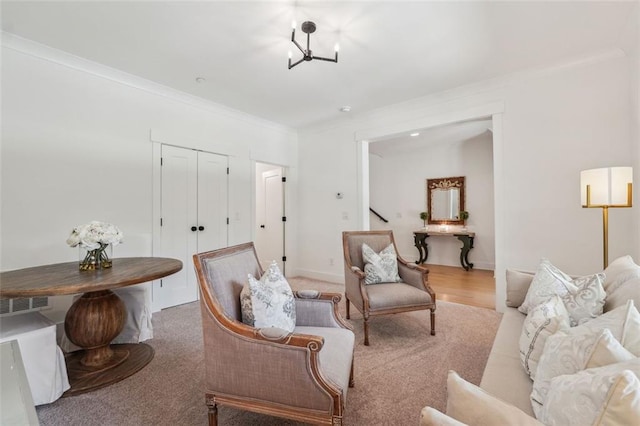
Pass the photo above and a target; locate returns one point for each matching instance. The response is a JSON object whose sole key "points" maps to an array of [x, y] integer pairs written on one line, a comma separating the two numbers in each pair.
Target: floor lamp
{"points": [[605, 188]]}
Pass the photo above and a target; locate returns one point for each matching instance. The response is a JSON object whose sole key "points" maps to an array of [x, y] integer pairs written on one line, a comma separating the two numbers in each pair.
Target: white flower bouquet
{"points": [[95, 237]]}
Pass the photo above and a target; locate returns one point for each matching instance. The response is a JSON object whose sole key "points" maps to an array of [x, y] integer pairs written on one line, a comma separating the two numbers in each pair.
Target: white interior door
{"points": [[179, 214], [212, 201], [270, 234], [194, 217]]}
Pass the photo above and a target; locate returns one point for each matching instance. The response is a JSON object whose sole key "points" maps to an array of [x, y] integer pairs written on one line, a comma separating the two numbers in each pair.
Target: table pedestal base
{"points": [[127, 360]]}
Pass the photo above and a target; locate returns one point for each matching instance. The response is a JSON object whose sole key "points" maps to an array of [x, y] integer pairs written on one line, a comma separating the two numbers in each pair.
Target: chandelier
{"points": [[307, 27]]}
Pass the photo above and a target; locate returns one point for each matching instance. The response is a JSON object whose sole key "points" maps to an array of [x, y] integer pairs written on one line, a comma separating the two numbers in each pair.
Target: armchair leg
{"points": [[366, 330], [347, 300], [213, 413], [351, 380], [433, 322]]}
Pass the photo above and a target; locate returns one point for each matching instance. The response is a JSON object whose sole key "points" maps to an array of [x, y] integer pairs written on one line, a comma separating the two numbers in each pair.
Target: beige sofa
{"points": [[504, 376]]}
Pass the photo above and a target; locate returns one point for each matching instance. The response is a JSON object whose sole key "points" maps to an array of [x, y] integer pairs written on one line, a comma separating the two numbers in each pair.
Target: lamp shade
{"points": [[609, 186]]}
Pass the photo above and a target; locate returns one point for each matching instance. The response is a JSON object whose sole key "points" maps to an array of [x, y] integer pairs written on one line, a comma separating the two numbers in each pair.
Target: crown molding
{"points": [[60, 57]]}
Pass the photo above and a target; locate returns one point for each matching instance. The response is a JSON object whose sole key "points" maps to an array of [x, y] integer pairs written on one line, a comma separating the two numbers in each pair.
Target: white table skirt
{"points": [[43, 359]]}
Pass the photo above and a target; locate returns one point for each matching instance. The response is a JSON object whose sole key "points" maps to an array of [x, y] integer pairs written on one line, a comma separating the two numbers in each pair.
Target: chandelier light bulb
{"points": [[290, 54], [336, 47], [293, 25]]}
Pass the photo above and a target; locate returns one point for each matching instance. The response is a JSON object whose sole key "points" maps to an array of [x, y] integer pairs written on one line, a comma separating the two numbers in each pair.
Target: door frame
{"points": [[493, 110], [285, 206]]}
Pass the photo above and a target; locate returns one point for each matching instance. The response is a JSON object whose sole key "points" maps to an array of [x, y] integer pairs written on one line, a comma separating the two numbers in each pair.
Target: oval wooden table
{"points": [[96, 318]]}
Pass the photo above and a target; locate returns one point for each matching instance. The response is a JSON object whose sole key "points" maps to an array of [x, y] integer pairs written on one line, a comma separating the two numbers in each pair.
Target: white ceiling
{"points": [[390, 51]]}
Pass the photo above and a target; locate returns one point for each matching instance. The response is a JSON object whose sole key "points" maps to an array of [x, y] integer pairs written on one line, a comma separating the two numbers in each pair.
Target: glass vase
{"points": [[95, 259]]}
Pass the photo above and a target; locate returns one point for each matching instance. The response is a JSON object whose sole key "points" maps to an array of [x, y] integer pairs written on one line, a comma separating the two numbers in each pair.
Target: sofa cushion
{"points": [[624, 291], [567, 354], [503, 375], [380, 267], [518, 283], [473, 406], [269, 301], [620, 270], [541, 322], [607, 395]]}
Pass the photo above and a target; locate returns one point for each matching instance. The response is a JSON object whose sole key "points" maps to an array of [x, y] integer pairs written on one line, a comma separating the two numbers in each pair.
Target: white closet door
{"points": [[272, 235], [179, 209], [212, 201], [194, 217]]}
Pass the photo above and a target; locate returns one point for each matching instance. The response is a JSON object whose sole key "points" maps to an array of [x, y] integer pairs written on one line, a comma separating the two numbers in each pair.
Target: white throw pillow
{"points": [[547, 281], [597, 396], [269, 301], [380, 267], [473, 406], [567, 354], [624, 291], [620, 270], [623, 322], [586, 300], [541, 322]]}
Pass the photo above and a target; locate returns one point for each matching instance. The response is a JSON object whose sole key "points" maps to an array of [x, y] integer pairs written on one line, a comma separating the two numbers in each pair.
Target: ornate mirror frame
{"points": [[445, 184]]}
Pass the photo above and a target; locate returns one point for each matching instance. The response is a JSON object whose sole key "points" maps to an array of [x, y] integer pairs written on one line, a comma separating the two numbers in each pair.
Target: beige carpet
{"points": [[403, 370]]}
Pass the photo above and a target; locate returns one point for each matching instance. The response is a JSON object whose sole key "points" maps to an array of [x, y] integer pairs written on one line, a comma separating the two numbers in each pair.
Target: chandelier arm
{"points": [[298, 46], [295, 63], [327, 59]]}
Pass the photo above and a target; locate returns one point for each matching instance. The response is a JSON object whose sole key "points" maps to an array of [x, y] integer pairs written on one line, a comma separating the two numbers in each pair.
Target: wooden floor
{"points": [[453, 284]]}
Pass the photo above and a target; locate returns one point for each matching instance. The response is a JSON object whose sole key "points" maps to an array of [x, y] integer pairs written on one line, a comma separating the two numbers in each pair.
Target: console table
{"points": [[420, 241], [97, 317]]}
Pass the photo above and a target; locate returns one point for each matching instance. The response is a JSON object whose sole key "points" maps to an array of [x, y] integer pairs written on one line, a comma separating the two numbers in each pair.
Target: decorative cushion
{"points": [[541, 322], [620, 270], [269, 301], [547, 281], [585, 301], [623, 292], [567, 354], [623, 322], [518, 284], [473, 406], [380, 267], [431, 417], [607, 395]]}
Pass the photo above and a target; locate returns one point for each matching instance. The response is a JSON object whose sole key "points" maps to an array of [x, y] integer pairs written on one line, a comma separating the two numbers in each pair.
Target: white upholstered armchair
{"points": [[302, 375]]}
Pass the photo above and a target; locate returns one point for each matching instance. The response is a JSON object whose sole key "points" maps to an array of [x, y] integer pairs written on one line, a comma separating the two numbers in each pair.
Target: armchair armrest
{"points": [[316, 309]]}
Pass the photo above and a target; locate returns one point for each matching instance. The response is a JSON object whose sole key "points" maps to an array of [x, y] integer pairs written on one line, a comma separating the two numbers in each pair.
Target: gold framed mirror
{"points": [[445, 200]]}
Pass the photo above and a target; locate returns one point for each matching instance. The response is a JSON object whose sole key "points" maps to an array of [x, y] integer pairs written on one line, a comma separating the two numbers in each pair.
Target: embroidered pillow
{"points": [[623, 322], [619, 271], [567, 354], [547, 281], [585, 301], [607, 395], [541, 322], [380, 267], [269, 301]]}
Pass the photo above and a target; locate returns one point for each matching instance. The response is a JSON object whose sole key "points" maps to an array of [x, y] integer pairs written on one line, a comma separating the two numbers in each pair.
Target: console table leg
{"points": [[467, 245], [420, 241]]}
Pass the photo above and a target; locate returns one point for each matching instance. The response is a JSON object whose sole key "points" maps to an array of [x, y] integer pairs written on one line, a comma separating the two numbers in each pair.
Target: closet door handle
{"points": [[200, 228], [262, 226], [194, 229]]}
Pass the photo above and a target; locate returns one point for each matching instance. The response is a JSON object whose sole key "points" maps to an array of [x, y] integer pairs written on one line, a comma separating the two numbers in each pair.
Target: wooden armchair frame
{"points": [[271, 353]]}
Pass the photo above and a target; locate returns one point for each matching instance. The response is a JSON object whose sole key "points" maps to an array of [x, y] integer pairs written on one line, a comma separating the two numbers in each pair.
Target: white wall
{"points": [[397, 189], [76, 146], [556, 123]]}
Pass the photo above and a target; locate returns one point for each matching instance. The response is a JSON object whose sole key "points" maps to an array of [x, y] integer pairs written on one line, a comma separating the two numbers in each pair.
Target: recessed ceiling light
{"points": [[200, 80], [415, 134], [345, 108]]}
